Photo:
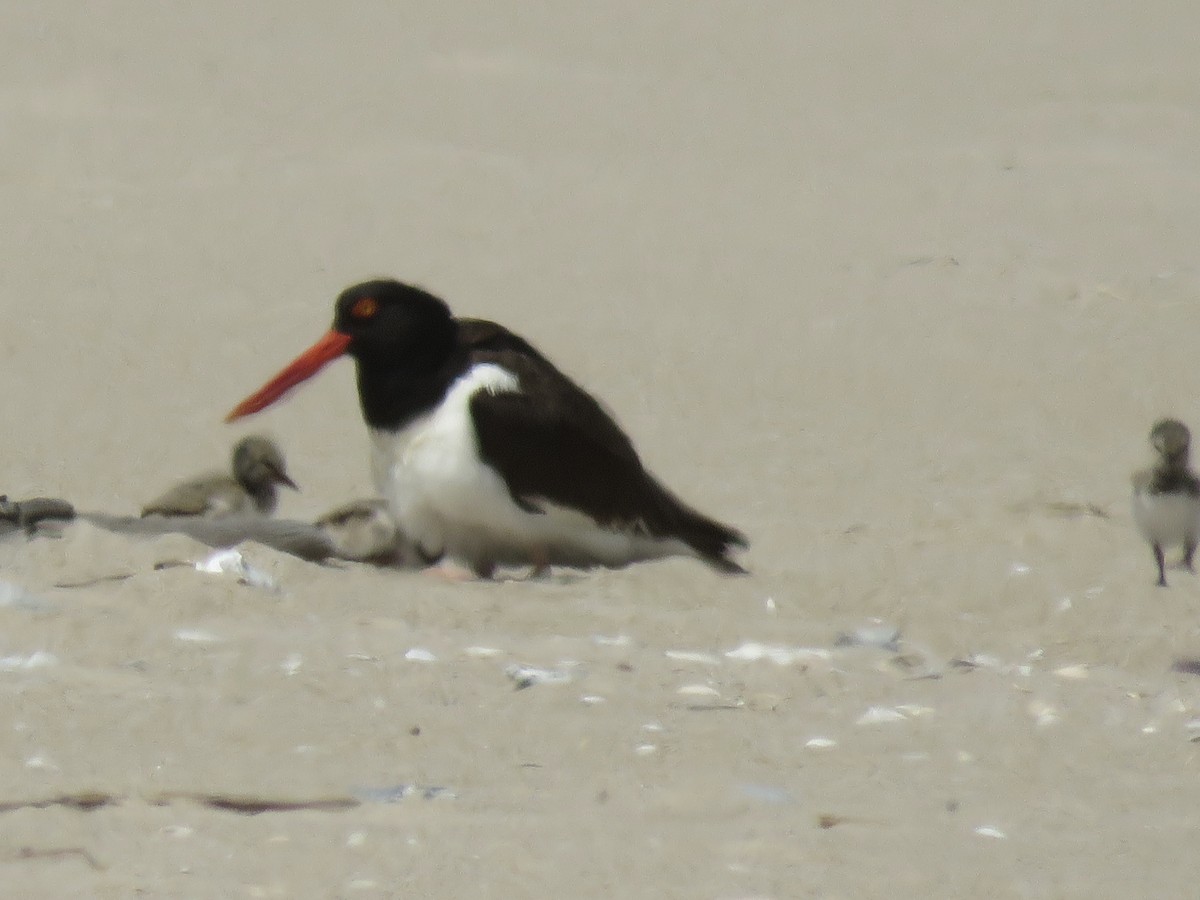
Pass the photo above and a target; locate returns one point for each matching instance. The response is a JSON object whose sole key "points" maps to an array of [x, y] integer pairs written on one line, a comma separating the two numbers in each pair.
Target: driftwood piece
{"points": [[287, 535]]}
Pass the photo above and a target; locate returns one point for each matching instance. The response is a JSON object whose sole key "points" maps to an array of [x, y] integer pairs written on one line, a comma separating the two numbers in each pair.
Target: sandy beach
{"points": [[898, 292]]}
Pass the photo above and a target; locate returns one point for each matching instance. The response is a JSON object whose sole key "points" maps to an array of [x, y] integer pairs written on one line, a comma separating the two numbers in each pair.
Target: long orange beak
{"points": [[302, 368]]}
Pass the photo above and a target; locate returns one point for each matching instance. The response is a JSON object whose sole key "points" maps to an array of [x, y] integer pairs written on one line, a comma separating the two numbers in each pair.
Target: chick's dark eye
{"points": [[364, 308]]}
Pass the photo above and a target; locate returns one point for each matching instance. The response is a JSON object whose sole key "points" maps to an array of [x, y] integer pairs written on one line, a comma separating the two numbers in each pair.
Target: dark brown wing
{"points": [[207, 495], [1175, 481], [551, 441]]}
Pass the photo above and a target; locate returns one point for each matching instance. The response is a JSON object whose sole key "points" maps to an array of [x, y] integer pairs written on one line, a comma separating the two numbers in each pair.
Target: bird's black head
{"points": [[389, 322], [403, 339], [1171, 440]]}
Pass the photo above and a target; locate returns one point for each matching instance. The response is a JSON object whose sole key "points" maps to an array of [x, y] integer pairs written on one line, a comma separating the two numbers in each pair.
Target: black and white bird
{"points": [[486, 452], [1166, 497], [250, 488]]}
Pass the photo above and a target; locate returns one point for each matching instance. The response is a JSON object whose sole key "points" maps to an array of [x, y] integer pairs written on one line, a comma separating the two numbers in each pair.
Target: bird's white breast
{"points": [[430, 471], [1166, 519]]}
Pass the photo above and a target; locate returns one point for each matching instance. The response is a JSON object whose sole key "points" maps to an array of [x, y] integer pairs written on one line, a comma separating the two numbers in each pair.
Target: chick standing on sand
{"points": [[1166, 498], [257, 468]]}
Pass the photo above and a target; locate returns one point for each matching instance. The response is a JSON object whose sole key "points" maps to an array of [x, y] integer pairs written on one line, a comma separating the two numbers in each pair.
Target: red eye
{"points": [[364, 308]]}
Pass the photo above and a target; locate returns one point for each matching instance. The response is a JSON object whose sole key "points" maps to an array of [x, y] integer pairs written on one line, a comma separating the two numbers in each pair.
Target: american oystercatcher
{"points": [[486, 452], [1166, 498], [251, 488]]}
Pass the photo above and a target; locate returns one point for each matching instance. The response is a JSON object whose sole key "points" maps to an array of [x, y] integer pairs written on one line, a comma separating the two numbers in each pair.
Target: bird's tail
{"points": [[714, 542], [710, 540]]}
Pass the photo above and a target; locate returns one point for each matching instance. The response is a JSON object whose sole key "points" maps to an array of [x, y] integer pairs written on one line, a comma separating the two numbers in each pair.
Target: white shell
{"points": [[699, 690], [782, 656], [196, 636], [231, 562], [618, 640], [482, 652], [527, 676], [989, 832], [693, 656], [1076, 672], [880, 715]]}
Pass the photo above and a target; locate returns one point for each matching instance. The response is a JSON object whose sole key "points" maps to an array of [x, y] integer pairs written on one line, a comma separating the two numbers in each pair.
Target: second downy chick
{"points": [[251, 488]]}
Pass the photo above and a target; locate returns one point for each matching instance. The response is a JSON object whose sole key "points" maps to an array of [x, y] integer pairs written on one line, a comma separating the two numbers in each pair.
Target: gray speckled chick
{"points": [[258, 468]]}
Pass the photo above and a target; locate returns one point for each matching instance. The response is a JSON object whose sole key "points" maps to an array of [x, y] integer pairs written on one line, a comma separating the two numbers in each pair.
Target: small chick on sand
{"points": [[364, 530], [257, 468], [1166, 498]]}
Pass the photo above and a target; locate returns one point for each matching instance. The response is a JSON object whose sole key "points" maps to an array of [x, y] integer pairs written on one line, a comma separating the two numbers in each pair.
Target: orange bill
{"points": [[299, 370]]}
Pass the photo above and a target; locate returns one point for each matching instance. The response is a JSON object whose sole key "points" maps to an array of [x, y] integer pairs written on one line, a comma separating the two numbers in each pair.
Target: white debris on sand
{"points": [[615, 640], [880, 715], [752, 651], [876, 634], [527, 676], [232, 562], [482, 652], [693, 656], [38, 659], [698, 690], [196, 636]]}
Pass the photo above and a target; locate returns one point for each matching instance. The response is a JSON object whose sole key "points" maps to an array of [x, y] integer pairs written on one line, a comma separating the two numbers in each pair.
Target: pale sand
{"points": [[878, 287]]}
